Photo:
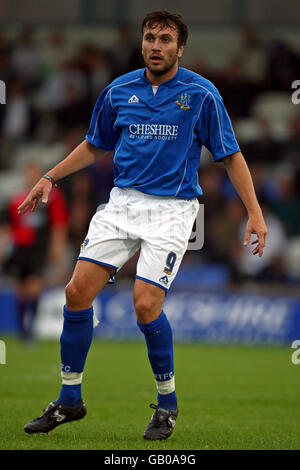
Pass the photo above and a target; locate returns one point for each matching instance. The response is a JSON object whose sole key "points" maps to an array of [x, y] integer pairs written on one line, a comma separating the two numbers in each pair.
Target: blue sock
{"points": [[159, 340], [69, 395], [75, 343]]}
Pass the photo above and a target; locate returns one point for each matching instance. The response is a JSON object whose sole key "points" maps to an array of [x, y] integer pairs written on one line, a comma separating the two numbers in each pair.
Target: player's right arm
{"points": [[82, 156]]}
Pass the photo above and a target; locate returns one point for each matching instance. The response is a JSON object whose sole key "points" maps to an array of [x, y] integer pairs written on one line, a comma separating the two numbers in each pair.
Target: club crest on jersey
{"points": [[185, 101]]}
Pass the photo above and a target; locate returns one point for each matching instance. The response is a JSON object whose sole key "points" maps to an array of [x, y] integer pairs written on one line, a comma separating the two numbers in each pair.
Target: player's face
{"points": [[161, 52]]}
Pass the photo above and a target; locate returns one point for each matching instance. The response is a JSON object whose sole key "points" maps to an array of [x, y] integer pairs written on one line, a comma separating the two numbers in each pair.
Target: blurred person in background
{"points": [[37, 241], [17, 120], [264, 149], [211, 180], [252, 56], [222, 230], [82, 205], [272, 266], [126, 53], [287, 203], [283, 65], [26, 57], [17, 113], [96, 64], [263, 180], [292, 146], [5, 70], [62, 100], [54, 53], [102, 171], [235, 89], [64, 84], [5, 76]]}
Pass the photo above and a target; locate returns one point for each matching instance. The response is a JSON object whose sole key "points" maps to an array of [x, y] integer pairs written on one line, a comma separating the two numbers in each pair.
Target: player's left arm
{"points": [[241, 179]]}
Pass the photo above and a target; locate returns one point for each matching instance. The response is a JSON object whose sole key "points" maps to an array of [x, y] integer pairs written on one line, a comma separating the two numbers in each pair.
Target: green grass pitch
{"points": [[230, 397]]}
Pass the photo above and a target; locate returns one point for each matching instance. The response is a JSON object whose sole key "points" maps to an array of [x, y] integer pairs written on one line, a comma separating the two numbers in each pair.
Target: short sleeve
{"points": [[214, 127], [101, 132]]}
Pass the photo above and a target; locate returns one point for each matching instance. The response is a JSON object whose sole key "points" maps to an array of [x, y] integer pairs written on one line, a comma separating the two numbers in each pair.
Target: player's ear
{"points": [[180, 51]]}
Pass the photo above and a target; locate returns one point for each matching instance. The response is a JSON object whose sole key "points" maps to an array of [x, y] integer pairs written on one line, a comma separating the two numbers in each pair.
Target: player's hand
{"points": [[39, 192], [256, 225]]}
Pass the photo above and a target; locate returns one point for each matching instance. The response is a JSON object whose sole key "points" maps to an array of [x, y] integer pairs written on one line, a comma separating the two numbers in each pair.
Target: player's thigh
{"points": [[159, 264], [163, 248], [108, 242], [87, 280]]}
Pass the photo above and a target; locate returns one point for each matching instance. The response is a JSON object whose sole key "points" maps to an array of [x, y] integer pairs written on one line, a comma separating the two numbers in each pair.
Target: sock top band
{"points": [[78, 315], [153, 326]]}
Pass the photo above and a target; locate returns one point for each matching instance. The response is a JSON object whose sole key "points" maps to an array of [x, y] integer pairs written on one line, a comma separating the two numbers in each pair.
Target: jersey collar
{"points": [[168, 83]]}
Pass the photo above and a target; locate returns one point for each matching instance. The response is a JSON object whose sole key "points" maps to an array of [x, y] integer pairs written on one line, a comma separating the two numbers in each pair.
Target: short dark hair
{"points": [[165, 18]]}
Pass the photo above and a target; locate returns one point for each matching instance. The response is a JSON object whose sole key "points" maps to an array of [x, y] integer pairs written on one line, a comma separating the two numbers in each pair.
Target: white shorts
{"points": [[161, 226]]}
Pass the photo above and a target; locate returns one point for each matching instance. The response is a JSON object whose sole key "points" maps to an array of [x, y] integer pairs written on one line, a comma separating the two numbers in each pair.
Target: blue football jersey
{"points": [[157, 138]]}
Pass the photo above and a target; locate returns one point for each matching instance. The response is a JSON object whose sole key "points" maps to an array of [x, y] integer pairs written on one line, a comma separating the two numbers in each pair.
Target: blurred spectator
{"points": [[211, 181], [287, 205], [264, 149], [245, 74], [17, 112], [238, 94], [17, 120], [292, 259], [264, 185], [37, 241], [26, 58], [96, 64], [82, 207], [64, 85], [284, 66], [102, 178], [201, 67], [5, 76], [127, 54], [71, 139], [292, 147], [64, 97], [54, 53], [252, 56], [271, 266], [5, 71], [5, 46], [222, 229]]}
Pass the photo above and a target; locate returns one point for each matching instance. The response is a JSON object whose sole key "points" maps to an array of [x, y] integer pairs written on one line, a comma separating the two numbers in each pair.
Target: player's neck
{"points": [[157, 80]]}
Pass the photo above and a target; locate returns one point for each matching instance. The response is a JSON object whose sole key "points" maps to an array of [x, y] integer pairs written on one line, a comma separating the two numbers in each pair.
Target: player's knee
{"points": [[146, 309], [75, 295]]}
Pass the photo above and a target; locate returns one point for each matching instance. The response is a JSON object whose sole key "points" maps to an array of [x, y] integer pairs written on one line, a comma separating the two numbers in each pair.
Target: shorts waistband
{"points": [[142, 195]]}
